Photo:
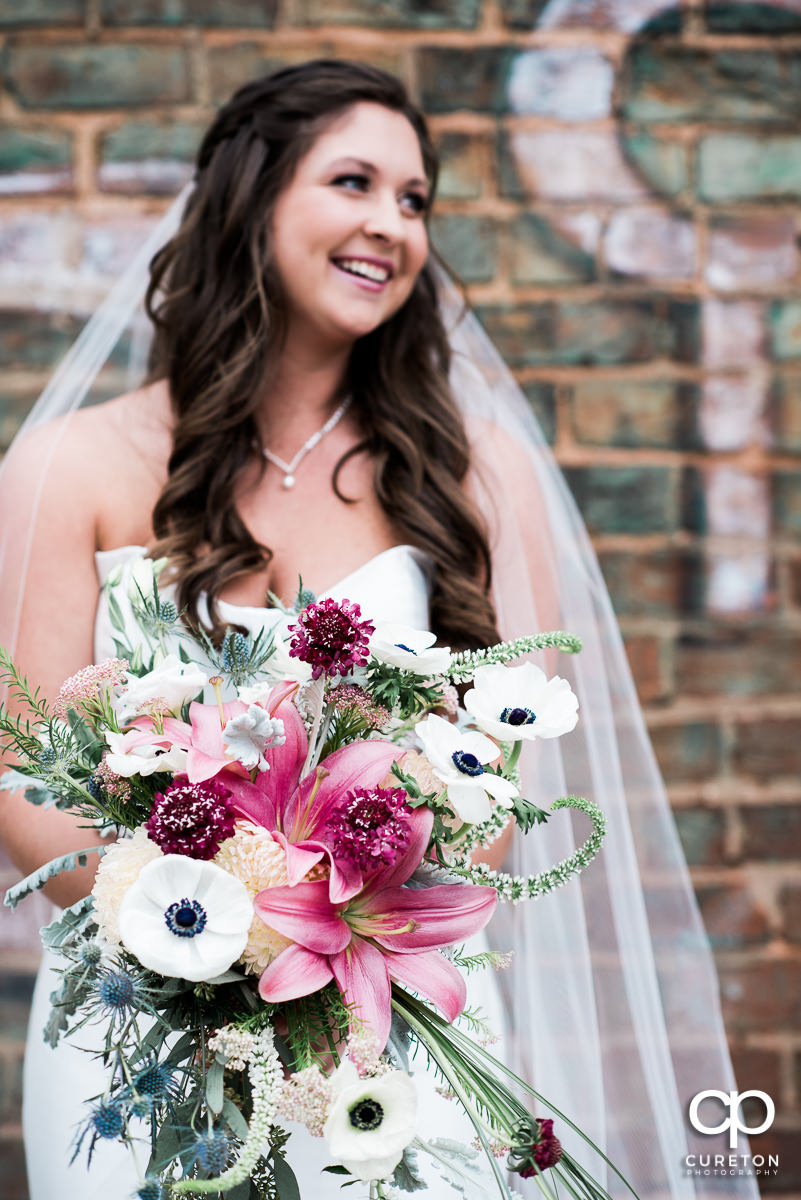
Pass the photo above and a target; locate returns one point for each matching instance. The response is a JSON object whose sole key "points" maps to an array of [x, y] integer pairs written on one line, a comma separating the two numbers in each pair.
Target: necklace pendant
{"points": [[288, 481]]}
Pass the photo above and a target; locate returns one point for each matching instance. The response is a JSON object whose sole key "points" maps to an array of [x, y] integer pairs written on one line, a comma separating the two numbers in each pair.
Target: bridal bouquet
{"points": [[286, 881]]}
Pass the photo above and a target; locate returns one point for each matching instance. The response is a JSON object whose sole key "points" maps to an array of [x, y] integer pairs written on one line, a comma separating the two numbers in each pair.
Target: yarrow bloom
{"points": [[306, 1098], [235, 1045], [191, 818], [89, 687], [109, 783], [369, 827], [331, 636], [356, 700]]}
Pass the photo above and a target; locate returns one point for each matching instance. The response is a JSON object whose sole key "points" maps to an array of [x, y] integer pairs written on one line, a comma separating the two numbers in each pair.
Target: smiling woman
{"points": [[300, 317]]}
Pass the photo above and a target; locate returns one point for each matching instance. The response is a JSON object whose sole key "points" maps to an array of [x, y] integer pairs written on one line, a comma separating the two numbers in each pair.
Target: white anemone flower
{"points": [[173, 682], [247, 736], [281, 666], [458, 757], [409, 648], [517, 703], [143, 759], [185, 918], [371, 1121]]}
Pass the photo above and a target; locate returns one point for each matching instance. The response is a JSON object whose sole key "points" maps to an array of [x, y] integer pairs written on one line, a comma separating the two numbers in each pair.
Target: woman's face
{"points": [[349, 234]]}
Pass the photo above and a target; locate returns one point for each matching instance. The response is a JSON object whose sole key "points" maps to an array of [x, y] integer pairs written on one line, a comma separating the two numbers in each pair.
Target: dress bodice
{"points": [[390, 586]]}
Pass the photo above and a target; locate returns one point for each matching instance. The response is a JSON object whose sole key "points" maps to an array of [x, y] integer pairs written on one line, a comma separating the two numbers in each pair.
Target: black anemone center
{"points": [[518, 716], [186, 918], [366, 1114], [467, 763]]}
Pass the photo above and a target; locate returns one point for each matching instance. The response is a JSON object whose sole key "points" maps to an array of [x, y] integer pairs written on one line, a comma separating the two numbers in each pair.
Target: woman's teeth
{"points": [[355, 266]]}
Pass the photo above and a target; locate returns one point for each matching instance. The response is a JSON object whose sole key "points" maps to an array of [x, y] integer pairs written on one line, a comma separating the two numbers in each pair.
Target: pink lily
{"points": [[385, 932], [297, 810], [202, 736]]}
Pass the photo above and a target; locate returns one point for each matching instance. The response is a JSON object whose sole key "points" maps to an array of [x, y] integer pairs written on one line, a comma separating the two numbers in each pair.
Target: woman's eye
{"points": [[418, 205], [361, 180]]}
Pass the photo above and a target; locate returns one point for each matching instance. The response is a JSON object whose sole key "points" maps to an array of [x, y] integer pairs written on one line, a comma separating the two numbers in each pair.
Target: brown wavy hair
{"points": [[217, 304]]}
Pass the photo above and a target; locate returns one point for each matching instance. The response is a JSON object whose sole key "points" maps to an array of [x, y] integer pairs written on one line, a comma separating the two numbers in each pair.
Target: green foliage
{"points": [[306, 1017], [401, 690]]}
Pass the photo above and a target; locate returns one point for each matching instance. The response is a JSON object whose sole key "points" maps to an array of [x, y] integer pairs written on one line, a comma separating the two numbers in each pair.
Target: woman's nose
{"points": [[384, 219]]}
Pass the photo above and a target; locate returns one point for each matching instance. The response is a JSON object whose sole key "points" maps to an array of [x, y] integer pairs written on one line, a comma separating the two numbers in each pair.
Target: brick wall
{"points": [[621, 191]]}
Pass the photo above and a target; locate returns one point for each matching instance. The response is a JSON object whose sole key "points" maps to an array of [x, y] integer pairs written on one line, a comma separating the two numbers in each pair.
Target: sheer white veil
{"points": [[612, 998]]}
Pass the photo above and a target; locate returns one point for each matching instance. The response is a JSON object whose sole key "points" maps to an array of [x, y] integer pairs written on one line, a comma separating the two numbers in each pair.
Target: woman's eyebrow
{"points": [[371, 169]]}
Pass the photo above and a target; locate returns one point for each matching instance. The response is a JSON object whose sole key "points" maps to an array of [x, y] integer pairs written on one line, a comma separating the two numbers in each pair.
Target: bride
{"points": [[314, 413]]}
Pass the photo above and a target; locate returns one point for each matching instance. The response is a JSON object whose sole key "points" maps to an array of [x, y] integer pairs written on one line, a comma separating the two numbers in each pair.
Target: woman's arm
{"points": [[48, 590]]}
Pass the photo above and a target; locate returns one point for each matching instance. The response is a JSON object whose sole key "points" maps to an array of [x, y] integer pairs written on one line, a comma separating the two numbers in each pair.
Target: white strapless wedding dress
{"points": [[392, 586]]}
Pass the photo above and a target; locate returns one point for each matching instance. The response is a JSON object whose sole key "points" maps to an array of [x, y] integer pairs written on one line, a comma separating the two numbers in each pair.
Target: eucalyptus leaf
{"points": [[13, 781], [114, 611], [215, 1076], [285, 1182], [236, 1122], [36, 880]]}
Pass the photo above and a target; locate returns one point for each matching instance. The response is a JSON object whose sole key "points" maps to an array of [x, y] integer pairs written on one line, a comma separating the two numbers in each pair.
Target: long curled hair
{"points": [[217, 304]]}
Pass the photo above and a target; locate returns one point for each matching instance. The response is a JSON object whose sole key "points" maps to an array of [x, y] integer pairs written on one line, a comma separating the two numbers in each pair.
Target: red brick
{"points": [[772, 831], [790, 903], [768, 748], [738, 661], [732, 916], [761, 995], [702, 832], [688, 752], [645, 656], [755, 1067]]}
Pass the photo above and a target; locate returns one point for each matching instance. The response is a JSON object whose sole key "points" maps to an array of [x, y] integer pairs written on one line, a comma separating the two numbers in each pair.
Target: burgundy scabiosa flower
{"points": [[191, 818], [370, 827], [331, 636], [542, 1151]]}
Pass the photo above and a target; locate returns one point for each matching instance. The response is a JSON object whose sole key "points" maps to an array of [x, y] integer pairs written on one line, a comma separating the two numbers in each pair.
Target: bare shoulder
{"points": [[97, 455]]}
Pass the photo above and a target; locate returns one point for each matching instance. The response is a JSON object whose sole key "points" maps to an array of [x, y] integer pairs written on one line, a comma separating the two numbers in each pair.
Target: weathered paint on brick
{"points": [[740, 166], [539, 254], [635, 413], [667, 81], [598, 332], [651, 584], [786, 413], [35, 340], [145, 156], [661, 161], [542, 398], [461, 174], [567, 82], [386, 14], [65, 75], [231, 66], [733, 917], [35, 160], [785, 329], [19, 14], [787, 501], [241, 13], [744, 16], [468, 244], [522, 14], [631, 499], [475, 79]]}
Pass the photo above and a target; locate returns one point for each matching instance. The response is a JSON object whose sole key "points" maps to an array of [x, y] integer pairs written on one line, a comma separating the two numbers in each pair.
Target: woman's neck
{"points": [[301, 396]]}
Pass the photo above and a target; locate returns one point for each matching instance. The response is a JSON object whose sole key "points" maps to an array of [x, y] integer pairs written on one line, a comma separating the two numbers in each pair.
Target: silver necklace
{"points": [[289, 468]]}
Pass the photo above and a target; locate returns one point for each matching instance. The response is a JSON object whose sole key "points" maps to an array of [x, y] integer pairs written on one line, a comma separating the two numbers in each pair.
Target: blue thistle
{"points": [[212, 1151], [168, 613], [235, 651], [91, 954], [117, 991], [154, 1081], [151, 1189]]}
